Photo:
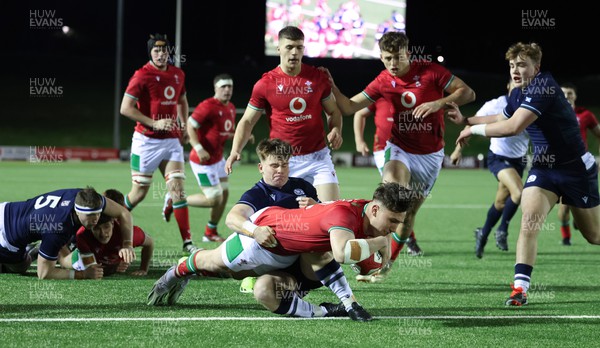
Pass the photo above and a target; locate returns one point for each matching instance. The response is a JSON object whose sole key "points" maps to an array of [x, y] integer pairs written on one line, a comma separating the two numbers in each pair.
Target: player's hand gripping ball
{"points": [[368, 266]]}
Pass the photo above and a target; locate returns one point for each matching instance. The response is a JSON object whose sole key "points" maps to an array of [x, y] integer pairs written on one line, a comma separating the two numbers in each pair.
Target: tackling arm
{"points": [[238, 219]]}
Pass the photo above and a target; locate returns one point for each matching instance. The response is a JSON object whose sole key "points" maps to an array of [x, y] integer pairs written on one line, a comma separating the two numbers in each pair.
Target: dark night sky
{"points": [[230, 34], [211, 32]]}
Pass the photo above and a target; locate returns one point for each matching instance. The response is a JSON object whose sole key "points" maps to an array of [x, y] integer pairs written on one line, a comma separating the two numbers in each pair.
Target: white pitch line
{"points": [[430, 317]]}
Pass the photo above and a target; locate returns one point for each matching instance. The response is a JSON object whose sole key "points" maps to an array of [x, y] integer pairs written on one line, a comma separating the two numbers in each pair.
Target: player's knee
{"points": [[499, 204], [141, 179], [516, 197], [264, 291], [592, 238], [174, 175], [213, 194], [224, 186]]}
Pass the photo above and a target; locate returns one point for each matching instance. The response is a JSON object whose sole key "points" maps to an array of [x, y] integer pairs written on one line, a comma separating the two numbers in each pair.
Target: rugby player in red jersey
{"points": [[294, 97], [155, 98], [418, 91], [211, 124], [351, 229]]}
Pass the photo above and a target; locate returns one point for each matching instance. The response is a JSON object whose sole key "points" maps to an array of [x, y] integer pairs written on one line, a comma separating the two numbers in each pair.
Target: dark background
{"points": [[228, 36]]}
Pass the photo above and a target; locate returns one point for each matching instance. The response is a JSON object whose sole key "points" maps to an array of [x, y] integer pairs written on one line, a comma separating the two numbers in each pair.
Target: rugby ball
{"points": [[369, 265]]}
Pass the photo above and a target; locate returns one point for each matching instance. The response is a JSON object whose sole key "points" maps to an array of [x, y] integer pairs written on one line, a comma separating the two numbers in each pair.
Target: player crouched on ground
{"points": [[99, 246]]}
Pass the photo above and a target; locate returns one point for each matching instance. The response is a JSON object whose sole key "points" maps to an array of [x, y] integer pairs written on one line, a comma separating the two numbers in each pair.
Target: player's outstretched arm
{"points": [[347, 249], [346, 105], [455, 116]]}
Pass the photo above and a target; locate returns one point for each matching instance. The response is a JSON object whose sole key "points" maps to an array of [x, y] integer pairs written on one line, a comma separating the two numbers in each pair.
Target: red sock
{"points": [[187, 267], [190, 266], [210, 230], [565, 231], [180, 210], [397, 246], [412, 235]]}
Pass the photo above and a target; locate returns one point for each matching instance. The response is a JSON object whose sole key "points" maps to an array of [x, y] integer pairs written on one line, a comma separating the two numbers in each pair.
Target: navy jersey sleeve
{"points": [[512, 102], [254, 198]]}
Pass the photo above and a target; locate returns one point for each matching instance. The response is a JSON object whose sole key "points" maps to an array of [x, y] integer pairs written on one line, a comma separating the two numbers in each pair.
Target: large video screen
{"points": [[335, 28]]}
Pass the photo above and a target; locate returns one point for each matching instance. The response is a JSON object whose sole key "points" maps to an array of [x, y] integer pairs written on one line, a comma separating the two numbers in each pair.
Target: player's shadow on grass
{"points": [[83, 310]]}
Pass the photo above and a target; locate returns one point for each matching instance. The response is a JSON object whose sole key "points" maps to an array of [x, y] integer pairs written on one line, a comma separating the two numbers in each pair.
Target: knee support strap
{"points": [[141, 179], [176, 174]]}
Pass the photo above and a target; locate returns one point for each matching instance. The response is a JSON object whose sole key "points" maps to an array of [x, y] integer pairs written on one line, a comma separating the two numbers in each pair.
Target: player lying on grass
{"points": [[53, 218], [351, 229], [101, 244]]}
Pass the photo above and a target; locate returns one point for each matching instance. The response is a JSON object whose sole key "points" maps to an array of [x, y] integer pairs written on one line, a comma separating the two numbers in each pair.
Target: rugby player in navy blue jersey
{"points": [[562, 169], [53, 218]]}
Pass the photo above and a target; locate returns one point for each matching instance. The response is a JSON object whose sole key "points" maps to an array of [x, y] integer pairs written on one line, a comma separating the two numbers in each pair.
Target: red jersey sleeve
{"points": [[258, 99], [201, 113], [139, 236], [441, 76], [135, 86]]}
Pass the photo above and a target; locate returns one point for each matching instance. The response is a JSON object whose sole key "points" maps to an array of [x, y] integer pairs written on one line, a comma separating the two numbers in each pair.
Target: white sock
{"points": [[524, 284]]}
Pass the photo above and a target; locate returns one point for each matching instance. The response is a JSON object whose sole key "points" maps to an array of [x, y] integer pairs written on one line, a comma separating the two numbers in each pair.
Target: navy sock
{"points": [[285, 304], [493, 216], [332, 276], [510, 208], [523, 276]]}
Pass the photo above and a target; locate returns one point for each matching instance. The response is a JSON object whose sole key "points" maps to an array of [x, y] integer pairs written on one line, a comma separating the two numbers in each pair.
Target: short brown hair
{"points": [[291, 33], [115, 195], [394, 196], [88, 197], [531, 50], [393, 41], [274, 147]]}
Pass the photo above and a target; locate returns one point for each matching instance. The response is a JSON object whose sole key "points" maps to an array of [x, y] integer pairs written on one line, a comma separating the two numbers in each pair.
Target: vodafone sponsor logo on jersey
{"points": [[169, 93], [297, 106], [407, 122]]}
